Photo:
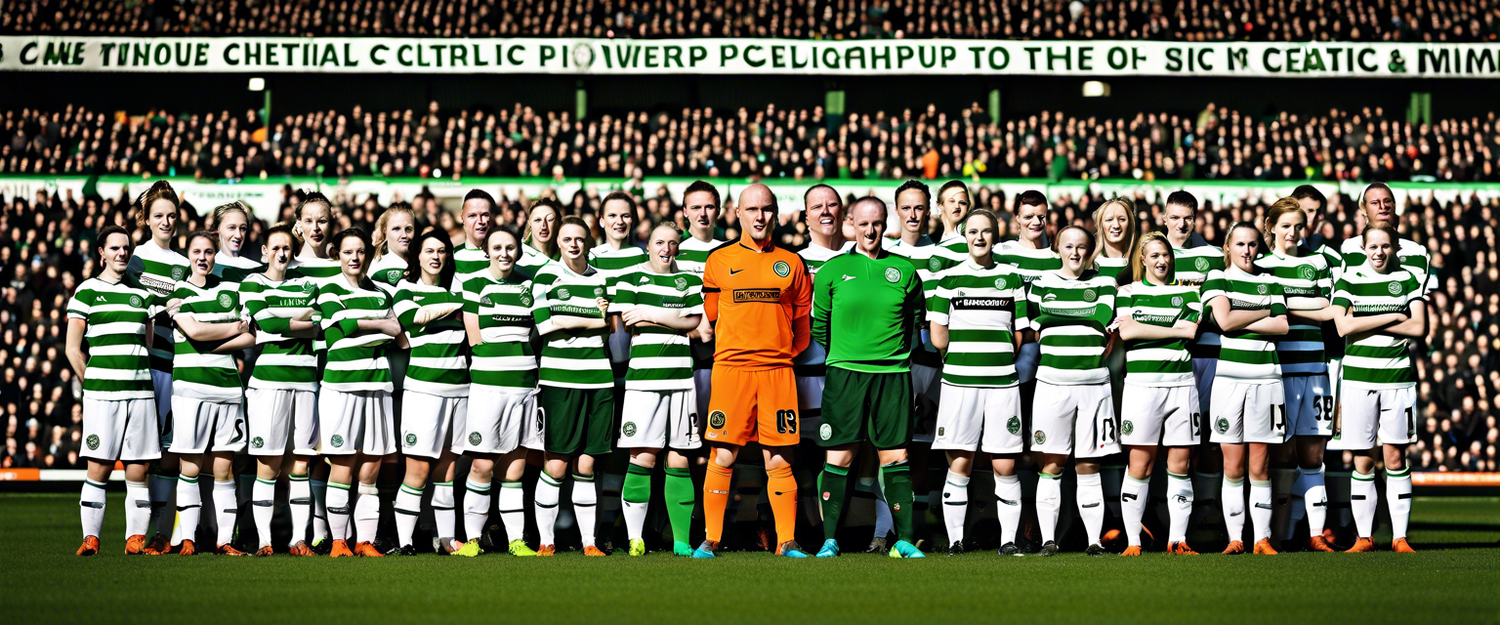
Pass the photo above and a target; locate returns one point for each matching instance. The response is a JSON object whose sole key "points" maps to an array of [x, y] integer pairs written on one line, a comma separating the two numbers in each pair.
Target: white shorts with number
{"points": [[430, 424], [660, 419], [809, 403], [1387, 416], [122, 430], [924, 379], [1160, 415], [1078, 420], [980, 418], [1244, 412], [282, 418], [200, 425], [498, 420], [1309, 405], [356, 422]]}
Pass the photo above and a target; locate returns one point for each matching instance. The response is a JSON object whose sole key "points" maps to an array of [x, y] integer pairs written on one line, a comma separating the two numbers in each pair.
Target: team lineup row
{"points": [[1094, 344]]}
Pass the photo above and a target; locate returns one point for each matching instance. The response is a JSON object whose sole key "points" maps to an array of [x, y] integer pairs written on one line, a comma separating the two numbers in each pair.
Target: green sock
{"points": [[681, 497], [895, 480], [832, 483], [637, 488]]}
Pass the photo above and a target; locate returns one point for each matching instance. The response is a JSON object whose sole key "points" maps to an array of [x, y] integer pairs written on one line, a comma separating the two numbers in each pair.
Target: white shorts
{"points": [[499, 420], [162, 382], [1248, 413], [1077, 420], [200, 425], [122, 430], [660, 419], [356, 422], [924, 381], [430, 423], [1160, 415], [282, 418], [980, 418], [1390, 413], [1309, 405], [809, 403]]}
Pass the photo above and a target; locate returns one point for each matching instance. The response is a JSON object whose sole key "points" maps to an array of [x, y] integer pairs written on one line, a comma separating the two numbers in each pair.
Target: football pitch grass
{"points": [[1454, 579]]}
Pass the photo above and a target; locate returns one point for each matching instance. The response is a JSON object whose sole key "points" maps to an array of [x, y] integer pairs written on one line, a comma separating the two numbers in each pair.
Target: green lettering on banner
{"points": [[1479, 61], [1432, 60], [754, 50], [853, 53], [904, 54], [547, 54], [672, 54], [949, 54], [728, 52], [880, 54], [696, 55], [1239, 58], [831, 59], [1364, 63]]}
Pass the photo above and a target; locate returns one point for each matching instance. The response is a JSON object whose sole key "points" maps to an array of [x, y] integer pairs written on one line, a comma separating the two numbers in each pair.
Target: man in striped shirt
{"points": [[700, 210], [1031, 258], [469, 259]]}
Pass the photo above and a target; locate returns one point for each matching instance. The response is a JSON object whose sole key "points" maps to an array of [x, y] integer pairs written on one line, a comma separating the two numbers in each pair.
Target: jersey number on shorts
{"points": [[1323, 408], [1278, 417], [1411, 422], [1107, 433], [1197, 421], [692, 426], [239, 430], [786, 421]]}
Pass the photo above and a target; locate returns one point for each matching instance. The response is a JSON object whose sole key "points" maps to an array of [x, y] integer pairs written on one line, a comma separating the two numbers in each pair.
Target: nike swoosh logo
{"points": [[848, 277], [735, 271]]}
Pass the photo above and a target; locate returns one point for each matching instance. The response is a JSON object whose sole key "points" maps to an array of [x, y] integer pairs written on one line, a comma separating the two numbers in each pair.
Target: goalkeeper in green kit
{"points": [[866, 304]]}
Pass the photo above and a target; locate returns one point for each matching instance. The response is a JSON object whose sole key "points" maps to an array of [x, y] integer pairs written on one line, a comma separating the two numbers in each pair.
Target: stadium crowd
{"points": [[49, 250], [1215, 143], [1170, 20]]}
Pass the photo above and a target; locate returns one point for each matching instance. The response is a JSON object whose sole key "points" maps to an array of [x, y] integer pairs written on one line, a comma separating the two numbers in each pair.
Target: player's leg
{"points": [[643, 431], [421, 445], [1228, 414], [104, 430], [1142, 421], [1182, 434], [366, 514], [444, 507], [776, 427], [1357, 432], [1208, 462], [1053, 411], [138, 448], [375, 442], [1004, 438], [336, 413], [162, 482], [91, 504], [887, 397], [960, 421], [1398, 429], [732, 421], [684, 442], [839, 435], [1095, 436], [1266, 428], [598, 441]]}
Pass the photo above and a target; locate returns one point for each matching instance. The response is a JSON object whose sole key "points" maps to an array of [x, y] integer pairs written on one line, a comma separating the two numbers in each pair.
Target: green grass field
{"points": [[1455, 579]]}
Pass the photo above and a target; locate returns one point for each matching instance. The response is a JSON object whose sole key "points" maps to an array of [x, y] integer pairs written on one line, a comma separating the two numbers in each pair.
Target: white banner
{"points": [[360, 55]]}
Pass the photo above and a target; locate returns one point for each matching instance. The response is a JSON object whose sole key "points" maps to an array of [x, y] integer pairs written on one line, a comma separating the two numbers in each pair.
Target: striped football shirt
{"points": [[1111, 267], [504, 358], [438, 365], [387, 272], [158, 270], [356, 358], [1244, 355], [197, 371], [1190, 266], [693, 252], [1379, 360], [982, 307], [927, 259], [615, 265], [570, 358], [1307, 285], [234, 269], [1413, 256], [1071, 317], [468, 262], [1030, 264], [317, 271], [1158, 362], [119, 361], [285, 362], [660, 359]]}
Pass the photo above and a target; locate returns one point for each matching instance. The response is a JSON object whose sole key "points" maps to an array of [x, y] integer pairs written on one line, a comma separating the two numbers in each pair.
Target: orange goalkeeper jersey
{"points": [[757, 298]]}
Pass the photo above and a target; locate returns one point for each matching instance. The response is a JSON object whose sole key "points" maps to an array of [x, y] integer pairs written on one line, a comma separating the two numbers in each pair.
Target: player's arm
{"points": [[822, 305], [76, 329], [199, 331], [1414, 326], [1276, 321], [1230, 319], [471, 316], [938, 309], [1322, 311], [801, 305], [241, 342]]}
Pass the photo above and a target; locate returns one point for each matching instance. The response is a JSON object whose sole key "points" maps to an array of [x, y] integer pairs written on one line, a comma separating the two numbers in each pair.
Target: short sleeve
{"points": [[1342, 296]]}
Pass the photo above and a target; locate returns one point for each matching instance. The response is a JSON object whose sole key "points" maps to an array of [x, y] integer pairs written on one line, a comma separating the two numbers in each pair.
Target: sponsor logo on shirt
{"points": [[757, 295]]}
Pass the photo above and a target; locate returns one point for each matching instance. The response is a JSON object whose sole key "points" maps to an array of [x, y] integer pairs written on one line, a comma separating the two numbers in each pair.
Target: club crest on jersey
{"points": [[525, 298], [781, 268], [1201, 264], [644, 280], [486, 301], [411, 439], [1000, 283], [337, 441], [1306, 271], [1127, 427], [178, 272], [93, 441], [475, 438], [1039, 438], [1014, 425], [825, 431], [225, 300], [393, 276], [1176, 300], [1394, 288], [1089, 295], [933, 264], [257, 442], [564, 293], [135, 301], [628, 429], [716, 419], [307, 287], [598, 291], [1222, 425], [1262, 289], [680, 283], [892, 274]]}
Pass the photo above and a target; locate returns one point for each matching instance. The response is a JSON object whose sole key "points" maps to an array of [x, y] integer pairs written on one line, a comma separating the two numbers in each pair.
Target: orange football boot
{"points": [[1317, 543], [340, 549], [1263, 547], [301, 550], [593, 551], [1181, 549], [1401, 546], [367, 550], [228, 550], [546, 550], [89, 547], [187, 548], [135, 544], [264, 551], [1133, 550], [1361, 546], [158, 546], [1234, 548]]}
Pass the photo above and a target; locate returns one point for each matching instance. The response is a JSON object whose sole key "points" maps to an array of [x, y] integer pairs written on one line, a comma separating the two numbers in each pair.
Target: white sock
{"points": [[1315, 499], [443, 514], [226, 510], [91, 507], [547, 493], [1362, 502], [1260, 509], [408, 508], [1133, 507], [367, 513], [1179, 506], [476, 508], [1232, 500], [1091, 506], [955, 505], [299, 498], [262, 507], [1048, 500], [321, 527], [137, 508], [512, 510], [584, 506], [189, 508], [161, 490], [1008, 498], [1398, 499], [338, 509]]}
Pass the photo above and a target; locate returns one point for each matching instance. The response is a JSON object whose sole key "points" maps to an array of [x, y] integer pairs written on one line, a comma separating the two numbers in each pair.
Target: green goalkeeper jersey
{"points": [[865, 311]]}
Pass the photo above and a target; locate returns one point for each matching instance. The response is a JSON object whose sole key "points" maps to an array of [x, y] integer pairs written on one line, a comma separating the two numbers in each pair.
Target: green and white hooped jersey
{"points": [[119, 364], [1071, 318], [1111, 267], [437, 364], [660, 359], [1030, 264], [356, 358], [1245, 355], [955, 245], [468, 263], [505, 357], [1190, 266], [531, 259], [927, 260], [234, 269], [1413, 256], [1304, 280], [1377, 359], [318, 271], [1158, 362], [285, 362], [196, 370], [614, 266], [388, 271], [693, 253], [813, 362], [570, 358], [158, 270], [1333, 344], [982, 307]]}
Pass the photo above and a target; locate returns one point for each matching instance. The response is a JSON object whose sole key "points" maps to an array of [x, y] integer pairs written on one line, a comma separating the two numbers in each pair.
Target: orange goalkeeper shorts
{"points": [[753, 405]]}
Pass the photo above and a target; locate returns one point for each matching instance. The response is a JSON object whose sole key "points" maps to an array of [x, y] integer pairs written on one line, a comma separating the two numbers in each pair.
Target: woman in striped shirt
{"points": [[314, 214], [231, 222], [392, 238], [1247, 403], [540, 240], [208, 418], [436, 392]]}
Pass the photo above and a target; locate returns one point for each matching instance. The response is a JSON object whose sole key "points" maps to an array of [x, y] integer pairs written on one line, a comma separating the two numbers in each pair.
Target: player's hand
{"points": [[305, 315], [634, 315], [241, 326], [603, 305]]}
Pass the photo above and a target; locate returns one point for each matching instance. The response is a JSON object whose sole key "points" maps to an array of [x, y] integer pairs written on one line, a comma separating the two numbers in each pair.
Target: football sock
{"points": [[635, 496], [1133, 507], [1260, 509], [443, 515], [1179, 506], [338, 508], [1008, 496], [716, 482], [226, 510], [262, 507], [137, 508], [1048, 500], [585, 507], [189, 507], [477, 508], [1315, 498], [680, 501], [547, 493], [299, 499], [609, 494], [367, 513], [320, 525], [161, 488], [1091, 506], [1112, 480], [883, 520], [833, 482], [1206, 487], [1362, 501], [91, 507], [895, 479], [956, 505], [408, 508], [782, 488], [1283, 481], [1398, 499], [1298, 504], [512, 510], [1232, 500]]}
